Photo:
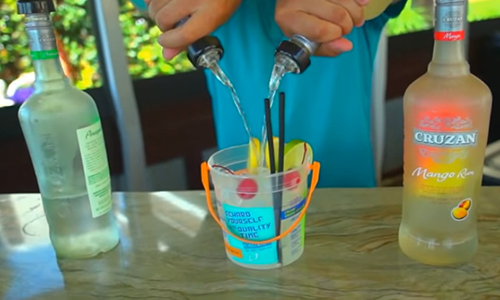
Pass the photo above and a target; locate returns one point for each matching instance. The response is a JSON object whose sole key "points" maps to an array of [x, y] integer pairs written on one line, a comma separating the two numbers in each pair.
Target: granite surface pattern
{"points": [[171, 249]]}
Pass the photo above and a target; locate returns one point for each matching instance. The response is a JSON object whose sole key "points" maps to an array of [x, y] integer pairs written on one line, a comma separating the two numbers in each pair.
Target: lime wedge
{"points": [[296, 153]]}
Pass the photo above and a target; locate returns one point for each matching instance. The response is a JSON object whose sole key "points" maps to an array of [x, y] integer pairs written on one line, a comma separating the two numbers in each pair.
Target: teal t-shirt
{"points": [[327, 106]]}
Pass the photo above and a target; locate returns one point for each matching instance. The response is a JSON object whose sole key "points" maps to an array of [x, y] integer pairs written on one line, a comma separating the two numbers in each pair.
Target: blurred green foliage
{"points": [[13, 42], [144, 54], [411, 19], [418, 15], [73, 26]]}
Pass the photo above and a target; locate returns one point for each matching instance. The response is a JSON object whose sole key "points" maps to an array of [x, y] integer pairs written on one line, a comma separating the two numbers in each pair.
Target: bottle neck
{"points": [[448, 59], [305, 43], [44, 54]]}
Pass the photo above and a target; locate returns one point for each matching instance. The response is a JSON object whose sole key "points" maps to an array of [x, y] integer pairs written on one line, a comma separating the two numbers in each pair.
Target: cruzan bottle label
{"points": [[445, 139], [443, 142], [449, 20]]}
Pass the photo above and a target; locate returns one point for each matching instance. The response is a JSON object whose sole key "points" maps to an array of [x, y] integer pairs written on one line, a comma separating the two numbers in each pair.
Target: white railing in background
{"points": [[119, 83], [379, 83]]}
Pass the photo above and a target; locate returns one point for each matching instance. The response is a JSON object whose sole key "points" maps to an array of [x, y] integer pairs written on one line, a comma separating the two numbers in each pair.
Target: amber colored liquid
{"points": [[443, 110]]}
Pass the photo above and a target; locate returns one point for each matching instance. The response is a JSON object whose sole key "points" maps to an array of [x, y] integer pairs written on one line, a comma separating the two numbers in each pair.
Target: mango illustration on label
{"points": [[461, 212]]}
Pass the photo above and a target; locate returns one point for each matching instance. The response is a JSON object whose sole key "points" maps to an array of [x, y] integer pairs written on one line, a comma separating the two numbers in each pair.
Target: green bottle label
{"points": [[44, 54], [95, 167]]}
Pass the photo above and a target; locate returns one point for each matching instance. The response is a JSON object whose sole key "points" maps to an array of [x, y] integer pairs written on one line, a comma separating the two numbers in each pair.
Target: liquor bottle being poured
{"points": [[62, 129], [294, 55], [446, 120], [204, 52]]}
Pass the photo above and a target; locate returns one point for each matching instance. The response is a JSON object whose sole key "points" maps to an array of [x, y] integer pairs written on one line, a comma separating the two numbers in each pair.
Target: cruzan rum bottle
{"points": [[446, 119], [62, 129]]}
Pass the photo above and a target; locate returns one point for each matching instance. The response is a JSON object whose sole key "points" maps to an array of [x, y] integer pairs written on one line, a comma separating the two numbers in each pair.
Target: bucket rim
{"points": [[216, 169]]}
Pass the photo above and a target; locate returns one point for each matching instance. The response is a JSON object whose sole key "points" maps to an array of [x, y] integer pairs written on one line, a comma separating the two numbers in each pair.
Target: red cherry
{"points": [[291, 180], [247, 189]]}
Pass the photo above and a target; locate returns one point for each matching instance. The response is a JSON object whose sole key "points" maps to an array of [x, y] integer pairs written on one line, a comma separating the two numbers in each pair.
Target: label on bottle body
{"points": [[292, 244], [95, 167], [251, 223], [450, 16], [46, 54], [259, 223], [444, 142]]}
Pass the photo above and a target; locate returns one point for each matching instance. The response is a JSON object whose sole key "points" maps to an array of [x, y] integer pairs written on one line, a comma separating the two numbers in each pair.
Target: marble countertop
{"points": [[171, 249]]}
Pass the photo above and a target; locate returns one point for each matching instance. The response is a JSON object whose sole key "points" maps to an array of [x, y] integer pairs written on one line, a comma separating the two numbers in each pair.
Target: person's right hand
{"points": [[206, 16], [321, 21]]}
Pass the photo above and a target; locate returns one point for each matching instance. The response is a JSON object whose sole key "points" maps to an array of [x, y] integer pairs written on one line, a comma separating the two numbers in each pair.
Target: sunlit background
{"points": [[78, 49]]}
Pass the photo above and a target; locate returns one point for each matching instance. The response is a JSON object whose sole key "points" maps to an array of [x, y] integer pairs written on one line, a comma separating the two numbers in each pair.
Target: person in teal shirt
{"points": [[328, 106]]}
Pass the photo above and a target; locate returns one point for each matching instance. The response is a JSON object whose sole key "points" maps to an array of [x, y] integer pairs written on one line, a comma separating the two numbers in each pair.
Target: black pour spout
{"points": [[207, 45]]}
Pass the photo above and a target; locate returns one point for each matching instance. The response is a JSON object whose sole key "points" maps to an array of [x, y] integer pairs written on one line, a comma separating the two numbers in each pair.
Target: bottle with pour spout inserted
{"points": [[293, 55], [204, 52], [62, 129], [446, 120]]}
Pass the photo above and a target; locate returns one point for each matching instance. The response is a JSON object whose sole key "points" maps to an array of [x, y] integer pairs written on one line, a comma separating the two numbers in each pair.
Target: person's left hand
{"points": [[205, 17]]}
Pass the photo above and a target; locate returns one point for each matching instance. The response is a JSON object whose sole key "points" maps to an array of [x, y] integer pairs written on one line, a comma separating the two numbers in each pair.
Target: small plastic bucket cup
{"points": [[262, 216]]}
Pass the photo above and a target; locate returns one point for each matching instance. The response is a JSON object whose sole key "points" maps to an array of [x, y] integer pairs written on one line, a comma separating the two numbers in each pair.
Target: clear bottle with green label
{"points": [[62, 129]]}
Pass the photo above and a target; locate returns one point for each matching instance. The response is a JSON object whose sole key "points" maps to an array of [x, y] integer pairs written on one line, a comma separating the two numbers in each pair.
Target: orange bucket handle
{"points": [[205, 181]]}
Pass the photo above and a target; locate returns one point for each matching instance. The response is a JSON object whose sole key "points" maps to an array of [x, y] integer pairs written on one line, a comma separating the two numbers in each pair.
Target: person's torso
{"points": [[328, 105]]}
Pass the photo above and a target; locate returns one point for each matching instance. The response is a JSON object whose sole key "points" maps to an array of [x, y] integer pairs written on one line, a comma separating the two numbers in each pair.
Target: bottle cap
{"points": [[25, 7], [298, 54], [202, 46]]}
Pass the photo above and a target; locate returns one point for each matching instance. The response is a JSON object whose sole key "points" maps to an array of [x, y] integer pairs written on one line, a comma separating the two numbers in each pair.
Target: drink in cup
{"points": [[257, 234]]}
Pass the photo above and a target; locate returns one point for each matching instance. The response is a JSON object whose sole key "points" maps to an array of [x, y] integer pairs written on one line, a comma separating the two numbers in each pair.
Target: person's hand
{"points": [[321, 21], [206, 16]]}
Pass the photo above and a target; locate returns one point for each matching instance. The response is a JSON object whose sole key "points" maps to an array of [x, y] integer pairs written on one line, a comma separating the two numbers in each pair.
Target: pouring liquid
{"points": [[274, 83], [281, 67], [211, 63]]}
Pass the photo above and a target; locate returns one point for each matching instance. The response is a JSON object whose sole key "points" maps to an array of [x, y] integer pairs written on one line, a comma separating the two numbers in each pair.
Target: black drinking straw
{"points": [[269, 128], [281, 151], [281, 157], [272, 167]]}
